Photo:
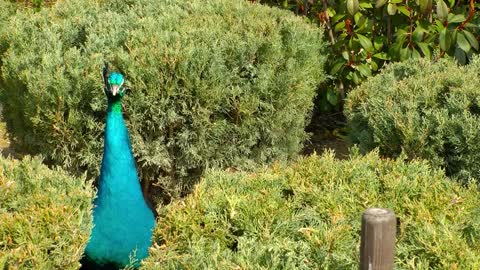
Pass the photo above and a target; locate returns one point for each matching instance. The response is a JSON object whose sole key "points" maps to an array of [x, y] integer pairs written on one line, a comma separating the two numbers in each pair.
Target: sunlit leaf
{"points": [[456, 18], [403, 10], [392, 9], [380, 3], [373, 65], [442, 11], [425, 5], [415, 54], [339, 26], [331, 13], [352, 6], [405, 53], [366, 5], [382, 55], [425, 49]]}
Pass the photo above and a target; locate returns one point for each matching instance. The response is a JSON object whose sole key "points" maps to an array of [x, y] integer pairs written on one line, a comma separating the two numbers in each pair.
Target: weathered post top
{"points": [[377, 246]]}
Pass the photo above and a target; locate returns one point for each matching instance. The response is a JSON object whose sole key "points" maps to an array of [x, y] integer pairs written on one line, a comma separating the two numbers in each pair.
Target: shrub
{"points": [[6, 11], [428, 110], [36, 5], [308, 216], [45, 217], [214, 83], [366, 34]]}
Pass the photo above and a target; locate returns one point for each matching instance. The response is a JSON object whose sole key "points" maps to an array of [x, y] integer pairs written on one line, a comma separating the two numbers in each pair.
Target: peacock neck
{"points": [[114, 107], [117, 142], [118, 172]]}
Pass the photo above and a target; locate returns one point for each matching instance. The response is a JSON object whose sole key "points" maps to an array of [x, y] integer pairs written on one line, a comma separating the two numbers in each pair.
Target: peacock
{"points": [[123, 222]]}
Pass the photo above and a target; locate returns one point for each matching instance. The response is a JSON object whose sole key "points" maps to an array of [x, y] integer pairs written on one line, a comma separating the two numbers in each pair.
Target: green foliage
{"points": [[214, 83], [366, 34], [427, 110], [45, 216], [35, 5], [308, 216], [6, 10]]}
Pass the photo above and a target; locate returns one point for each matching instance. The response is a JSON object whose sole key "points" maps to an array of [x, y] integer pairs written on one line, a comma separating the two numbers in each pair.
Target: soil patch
{"points": [[327, 132]]}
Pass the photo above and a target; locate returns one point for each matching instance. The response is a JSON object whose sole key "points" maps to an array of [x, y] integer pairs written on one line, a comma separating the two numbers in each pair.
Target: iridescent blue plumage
{"points": [[123, 223]]}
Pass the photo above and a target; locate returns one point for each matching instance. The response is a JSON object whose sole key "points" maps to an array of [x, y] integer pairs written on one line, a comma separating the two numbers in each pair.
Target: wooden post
{"points": [[377, 245]]}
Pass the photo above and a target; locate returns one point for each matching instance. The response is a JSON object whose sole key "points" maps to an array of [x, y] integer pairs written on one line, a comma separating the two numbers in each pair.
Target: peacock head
{"points": [[115, 88]]}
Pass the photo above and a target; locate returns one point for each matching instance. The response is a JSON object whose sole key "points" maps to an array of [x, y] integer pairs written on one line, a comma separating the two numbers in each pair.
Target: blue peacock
{"points": [[123, 223]]}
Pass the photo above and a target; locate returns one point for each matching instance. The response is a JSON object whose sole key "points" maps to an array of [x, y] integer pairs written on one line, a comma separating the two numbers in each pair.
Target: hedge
{"points": [[308, 216], [214, 83], [45, 216], [425, 109], [7, 9]]}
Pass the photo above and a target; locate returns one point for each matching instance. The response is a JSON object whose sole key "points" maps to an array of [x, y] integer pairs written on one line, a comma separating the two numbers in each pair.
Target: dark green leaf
{"points": [[365, 42], [337, 66], [471, 38], [360, 20], [364, 70], [324, 105], [460, 56], [378, 42], [373, 65], [332, 96], [356, 78], [401, 35], [462, 42], [418, 34], [445, 39], [425, 6], [337, 18], [439, 25]]}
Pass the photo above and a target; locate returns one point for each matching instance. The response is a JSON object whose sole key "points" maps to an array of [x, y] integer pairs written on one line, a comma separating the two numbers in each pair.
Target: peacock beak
{"points": [[115, 89]]}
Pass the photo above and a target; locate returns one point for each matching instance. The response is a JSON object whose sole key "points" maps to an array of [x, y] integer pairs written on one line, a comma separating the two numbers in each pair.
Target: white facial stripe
{"points": [[115, 90]]}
